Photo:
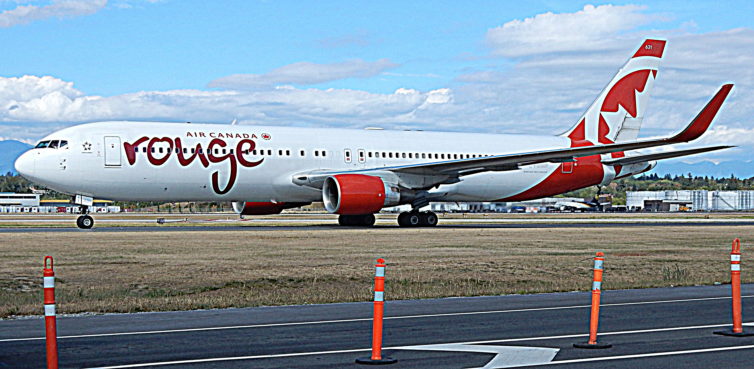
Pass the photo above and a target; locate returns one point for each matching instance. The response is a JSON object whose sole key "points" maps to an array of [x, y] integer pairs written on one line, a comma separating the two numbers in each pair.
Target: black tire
{"points": [[402, 221], [429, 219], [368, 220], [363, 220], [85, 222], [344, 220], [414, 219]]}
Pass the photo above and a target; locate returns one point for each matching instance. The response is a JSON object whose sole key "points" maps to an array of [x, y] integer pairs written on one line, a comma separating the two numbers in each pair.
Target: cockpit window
{"points": [[54, 144]]}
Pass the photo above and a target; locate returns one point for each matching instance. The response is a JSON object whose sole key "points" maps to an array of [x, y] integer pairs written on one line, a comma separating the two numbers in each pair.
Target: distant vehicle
{"points": [[264, 170]]}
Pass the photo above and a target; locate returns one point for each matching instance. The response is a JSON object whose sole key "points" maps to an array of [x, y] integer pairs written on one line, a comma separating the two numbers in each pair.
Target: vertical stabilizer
{"points": [[616, 115]]}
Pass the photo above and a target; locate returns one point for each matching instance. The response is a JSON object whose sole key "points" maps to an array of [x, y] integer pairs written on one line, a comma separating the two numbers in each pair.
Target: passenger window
{"points": [[185, 150], [303, 153], [404, 155], [280, 152], [152, 149], [144, 149], [370, 154], [324, 153], [383, 154], [424, 156], [390, 155], [269, 152], [160, 150], [42, 144], [287, 152]]}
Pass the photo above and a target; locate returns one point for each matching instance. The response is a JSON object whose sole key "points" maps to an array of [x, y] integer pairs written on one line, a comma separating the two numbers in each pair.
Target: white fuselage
{"points": [[96, 161]]}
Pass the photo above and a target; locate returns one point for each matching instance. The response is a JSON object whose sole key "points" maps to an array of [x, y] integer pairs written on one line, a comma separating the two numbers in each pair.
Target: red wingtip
{"points": [[703, 120], [651, 47]]}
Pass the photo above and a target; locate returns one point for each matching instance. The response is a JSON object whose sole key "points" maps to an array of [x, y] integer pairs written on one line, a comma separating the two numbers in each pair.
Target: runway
{"points": [[650, 328], [334, 227]]}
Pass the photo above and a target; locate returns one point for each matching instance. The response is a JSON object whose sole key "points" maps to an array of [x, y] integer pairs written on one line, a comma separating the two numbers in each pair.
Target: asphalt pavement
{"points": [[648, 328]]}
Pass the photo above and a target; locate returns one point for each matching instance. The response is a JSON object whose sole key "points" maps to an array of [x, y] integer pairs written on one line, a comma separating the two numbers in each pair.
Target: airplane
{"points": [[356, 173]]}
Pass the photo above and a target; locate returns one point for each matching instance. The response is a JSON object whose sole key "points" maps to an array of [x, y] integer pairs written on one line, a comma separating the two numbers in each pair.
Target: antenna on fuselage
{"points": [[233, 123]]}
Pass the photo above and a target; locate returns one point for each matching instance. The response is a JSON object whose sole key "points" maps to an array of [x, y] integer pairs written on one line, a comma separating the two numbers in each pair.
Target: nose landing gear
{"points": [[85, 221]]}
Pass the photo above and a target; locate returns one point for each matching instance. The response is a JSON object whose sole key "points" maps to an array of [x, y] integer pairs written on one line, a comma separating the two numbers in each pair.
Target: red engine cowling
{"points": [[264, 208], [352, 194]]}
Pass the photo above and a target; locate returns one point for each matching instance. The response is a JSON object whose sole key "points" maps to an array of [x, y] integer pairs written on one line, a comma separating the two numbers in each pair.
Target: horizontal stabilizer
{"points": [[663, 155]]}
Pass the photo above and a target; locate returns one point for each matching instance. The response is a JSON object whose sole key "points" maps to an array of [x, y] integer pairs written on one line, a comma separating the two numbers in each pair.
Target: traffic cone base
{"points": [[369, 361], [587, 345], [729, 332]]}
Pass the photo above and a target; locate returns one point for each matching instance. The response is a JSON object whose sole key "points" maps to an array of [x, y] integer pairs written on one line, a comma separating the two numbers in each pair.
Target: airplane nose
{"points": [[25, 164]]}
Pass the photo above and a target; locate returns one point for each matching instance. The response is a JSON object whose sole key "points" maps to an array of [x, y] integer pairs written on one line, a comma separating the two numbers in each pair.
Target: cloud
{"points": [[586, 29], [305, 73], [51, 100], [23, 14]]}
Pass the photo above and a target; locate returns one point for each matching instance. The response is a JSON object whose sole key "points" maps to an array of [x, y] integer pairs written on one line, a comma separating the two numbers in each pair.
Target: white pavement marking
{"points": [[295, 354], [268, 325], [505, 356], [651, 354]]}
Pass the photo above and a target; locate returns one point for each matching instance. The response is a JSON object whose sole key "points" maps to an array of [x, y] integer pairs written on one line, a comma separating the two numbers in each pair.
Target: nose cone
{"points": [[25, 164]]}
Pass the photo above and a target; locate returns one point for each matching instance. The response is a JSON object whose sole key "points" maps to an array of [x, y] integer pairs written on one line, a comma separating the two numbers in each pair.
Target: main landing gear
{"points": [[362, 220], [85, 221], [417, 218]]}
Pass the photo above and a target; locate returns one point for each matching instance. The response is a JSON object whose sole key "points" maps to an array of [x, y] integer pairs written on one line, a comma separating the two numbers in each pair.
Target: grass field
{"points": [[150, 271]]}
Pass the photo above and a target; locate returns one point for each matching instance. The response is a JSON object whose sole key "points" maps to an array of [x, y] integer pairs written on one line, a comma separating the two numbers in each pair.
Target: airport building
{"points": [[690, 200], [19, 199], [31, 203]]}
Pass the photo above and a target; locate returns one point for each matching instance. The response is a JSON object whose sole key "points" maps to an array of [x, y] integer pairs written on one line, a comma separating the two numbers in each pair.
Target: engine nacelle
{"points": [[352, 194], [264, 208]]}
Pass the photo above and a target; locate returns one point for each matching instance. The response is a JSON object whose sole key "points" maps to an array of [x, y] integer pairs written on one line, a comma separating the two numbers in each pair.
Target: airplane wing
{"points": [[663, 155], [426, 175], [511, 161]]}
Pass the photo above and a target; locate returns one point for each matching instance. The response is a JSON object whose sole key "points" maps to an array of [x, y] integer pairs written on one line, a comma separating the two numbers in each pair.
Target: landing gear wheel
{"points": [[429, 219], [85, 222], [364, 220], [402, 221], [414, 219], [417, 219]]}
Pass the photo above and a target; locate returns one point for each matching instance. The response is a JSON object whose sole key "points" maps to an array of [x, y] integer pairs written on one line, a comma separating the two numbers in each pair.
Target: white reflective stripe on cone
{"points": [[735, 267], [380, 272], [598, 264], [49, 282], [379, 296], [50, 310], [734, 257], [596, 285]]}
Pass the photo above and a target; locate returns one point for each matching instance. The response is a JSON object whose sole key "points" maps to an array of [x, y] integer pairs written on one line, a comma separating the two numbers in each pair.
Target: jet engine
{"points": [[264, 208], [351, 194]]}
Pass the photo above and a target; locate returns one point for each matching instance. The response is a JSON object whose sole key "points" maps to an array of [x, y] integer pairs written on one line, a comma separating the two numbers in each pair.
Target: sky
{"points": [[478, 66]]}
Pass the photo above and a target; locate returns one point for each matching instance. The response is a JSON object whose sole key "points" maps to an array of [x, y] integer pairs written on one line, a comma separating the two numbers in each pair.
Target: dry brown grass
{"points": [[147, 271]]}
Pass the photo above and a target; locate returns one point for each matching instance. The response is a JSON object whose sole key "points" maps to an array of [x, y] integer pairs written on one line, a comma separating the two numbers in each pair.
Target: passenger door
{"points": [[112, 151]]}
